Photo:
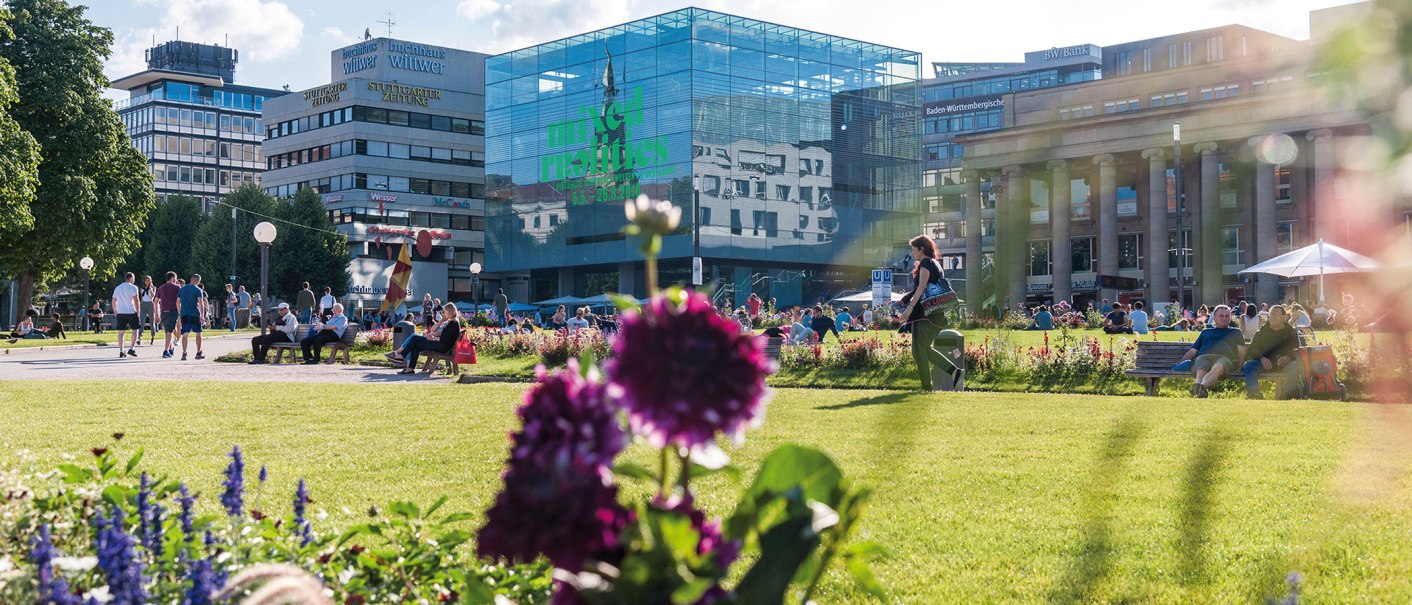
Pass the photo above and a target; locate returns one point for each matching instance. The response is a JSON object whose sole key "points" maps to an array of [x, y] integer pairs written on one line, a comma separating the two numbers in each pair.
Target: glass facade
{"points": [[804, 149]]}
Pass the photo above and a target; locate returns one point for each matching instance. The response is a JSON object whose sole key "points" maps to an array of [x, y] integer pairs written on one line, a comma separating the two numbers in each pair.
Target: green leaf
{"points": [[790, 466], [452, 539], [691, 591], [75, 474], [858, 567], [634, 471], [362, 529], [405, 509], [782, 550], [585, 361], [115, 494], [132, 462], [457, 518], [624, 303], [731, 470], [435, 505]]}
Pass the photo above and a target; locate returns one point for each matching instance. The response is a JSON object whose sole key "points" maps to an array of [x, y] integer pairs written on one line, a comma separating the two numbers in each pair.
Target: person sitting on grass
{"points": [[578, 322], [823, 324], [1214, 353], [1272, 348], [844, 320], [441, 338], [1137, 320], [799, 330], [23, 330], [1116, 321], [56, 328], [867, 318], [1043, 319]]}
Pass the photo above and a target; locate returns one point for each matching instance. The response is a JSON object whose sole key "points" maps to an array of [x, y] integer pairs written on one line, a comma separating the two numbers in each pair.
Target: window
{"points": [[736, 227], [1076, 112], [1210, 93], [1123, 62], [1081, 253], [1127, 200], [1173, 57], [1130, 251], [1172, 252], [988, 228], [1079, 193], [1121, 105], [1227, 187], [1273, 83], [1167, 99], [1147, 59], [1285, 237], [1282, 180], [1215, 49], [1039, 258], [1230, 245]]}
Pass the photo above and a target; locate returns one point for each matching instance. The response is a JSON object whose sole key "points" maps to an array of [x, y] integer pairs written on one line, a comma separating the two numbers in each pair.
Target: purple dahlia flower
{"points": [[567, 420], [568, 514], [683, 373]]}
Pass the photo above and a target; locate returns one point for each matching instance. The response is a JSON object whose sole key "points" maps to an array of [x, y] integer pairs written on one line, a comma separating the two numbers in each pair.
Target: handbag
{"points": [[465, 351], [939, 297]]}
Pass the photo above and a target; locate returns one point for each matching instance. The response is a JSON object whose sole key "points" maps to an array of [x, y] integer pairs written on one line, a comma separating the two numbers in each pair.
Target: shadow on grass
{"points": [[1093, 563], [1198, 498], [887, 399]]}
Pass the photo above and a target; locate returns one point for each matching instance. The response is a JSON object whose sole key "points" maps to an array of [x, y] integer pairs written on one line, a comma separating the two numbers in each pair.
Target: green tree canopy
{"points": [[307, 248], [19, 152], [211, 248], [95, 190], [167, 240]]}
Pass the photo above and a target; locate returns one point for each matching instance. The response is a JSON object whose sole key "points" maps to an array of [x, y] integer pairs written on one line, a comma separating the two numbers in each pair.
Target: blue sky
{"points": [[288, 41]]}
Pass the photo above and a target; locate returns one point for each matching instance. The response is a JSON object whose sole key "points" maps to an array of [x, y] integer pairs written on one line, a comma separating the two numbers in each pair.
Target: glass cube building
{"points": [[800, 149]]}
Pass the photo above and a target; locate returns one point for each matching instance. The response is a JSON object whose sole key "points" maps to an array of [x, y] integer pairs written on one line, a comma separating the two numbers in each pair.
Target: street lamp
{"points": [[86, 264], [475, 290], [696, 231], [1181, 246], [265, 233]]}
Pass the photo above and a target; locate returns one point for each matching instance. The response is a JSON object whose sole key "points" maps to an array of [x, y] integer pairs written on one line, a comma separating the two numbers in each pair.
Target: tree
{"points": [[307, 248], [211, 248], [167, 240], [94, 190], [19, 152]]}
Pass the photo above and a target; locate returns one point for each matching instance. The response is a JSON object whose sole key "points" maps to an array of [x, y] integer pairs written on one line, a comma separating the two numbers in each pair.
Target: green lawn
{"points": [[89, 338], [980, 497]]}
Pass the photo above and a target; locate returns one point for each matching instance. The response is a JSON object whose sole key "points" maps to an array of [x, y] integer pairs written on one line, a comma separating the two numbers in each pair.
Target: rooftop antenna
{"points": [[389, 23]]}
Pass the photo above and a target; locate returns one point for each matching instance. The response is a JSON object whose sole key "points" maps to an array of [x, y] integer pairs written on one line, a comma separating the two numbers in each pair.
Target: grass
{"points": [[89, 338], [980, 497]]}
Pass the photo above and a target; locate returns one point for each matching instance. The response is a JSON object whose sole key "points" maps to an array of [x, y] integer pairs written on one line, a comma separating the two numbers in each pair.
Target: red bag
{"points": [[1321, 373], [465, 351]]}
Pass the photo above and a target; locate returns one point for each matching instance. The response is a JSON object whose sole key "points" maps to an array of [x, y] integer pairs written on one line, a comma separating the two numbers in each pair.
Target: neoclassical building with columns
{"points": [[1084, 184]]}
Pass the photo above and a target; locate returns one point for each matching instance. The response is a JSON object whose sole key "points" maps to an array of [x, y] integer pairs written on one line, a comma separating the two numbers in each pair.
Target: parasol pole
{"points": [[1321, 270]]}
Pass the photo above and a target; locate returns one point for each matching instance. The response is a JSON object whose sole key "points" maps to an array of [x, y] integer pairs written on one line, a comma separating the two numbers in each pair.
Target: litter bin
{"points": [[401, 331], [952, 345]]}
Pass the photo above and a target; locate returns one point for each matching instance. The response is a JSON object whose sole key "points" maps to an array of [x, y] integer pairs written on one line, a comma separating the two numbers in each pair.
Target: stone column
{"points": [[1061, 246], [974, 272], [1158, 274], [627, 278], [1208, 266], [1322, 205], [1107, 220], [1264, 206], [1016, 236]]}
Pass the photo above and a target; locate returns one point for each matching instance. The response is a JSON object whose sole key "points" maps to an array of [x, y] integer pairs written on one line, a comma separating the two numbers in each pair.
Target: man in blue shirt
{"points": [[191, 307], [844, 320], [1215, 351], [1043, 319], [330, 332], [242, 309], [1138, 318]]}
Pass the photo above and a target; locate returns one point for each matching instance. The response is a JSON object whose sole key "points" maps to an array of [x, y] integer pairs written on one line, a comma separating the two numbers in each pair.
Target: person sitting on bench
{"points": [[441, 338], [1215, 351], [282, 329], [1273, 347], [328, 333]]}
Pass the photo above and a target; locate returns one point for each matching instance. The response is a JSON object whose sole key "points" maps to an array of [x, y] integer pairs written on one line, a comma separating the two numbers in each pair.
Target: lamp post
{"points": [[696, 231], [265, 233], [86, 264], [475, 289], [1181, 246]]}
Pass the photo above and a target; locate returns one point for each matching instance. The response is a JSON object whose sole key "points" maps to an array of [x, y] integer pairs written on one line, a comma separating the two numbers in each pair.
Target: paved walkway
{"points": [[102, 363]]}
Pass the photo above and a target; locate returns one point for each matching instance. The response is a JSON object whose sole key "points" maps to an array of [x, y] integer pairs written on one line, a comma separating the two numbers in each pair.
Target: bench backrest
{"points": [[772, 347], [1153, 355], [350, 334]]}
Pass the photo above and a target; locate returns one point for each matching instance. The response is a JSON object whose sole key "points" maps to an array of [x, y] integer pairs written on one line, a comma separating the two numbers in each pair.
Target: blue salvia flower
{"points": [[264, 474], [187, 502], [53, 590], [203, 582], [154, 532], [210, 541], [117, 556], [233, 499], [301, 524], [148, 527]]}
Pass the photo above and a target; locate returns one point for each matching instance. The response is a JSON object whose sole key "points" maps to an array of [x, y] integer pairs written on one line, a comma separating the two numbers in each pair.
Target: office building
{"points": [[395, 145], [802, 147], [201, 132]]}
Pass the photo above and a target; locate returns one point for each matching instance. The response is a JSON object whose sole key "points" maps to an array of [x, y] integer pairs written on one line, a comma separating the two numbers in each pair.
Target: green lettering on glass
{"points": [[598, 162]]}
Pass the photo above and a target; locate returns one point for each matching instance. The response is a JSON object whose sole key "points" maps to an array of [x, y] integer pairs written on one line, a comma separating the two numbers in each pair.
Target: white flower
{"points": [[99, 594], [346, 575], [72, 564]]}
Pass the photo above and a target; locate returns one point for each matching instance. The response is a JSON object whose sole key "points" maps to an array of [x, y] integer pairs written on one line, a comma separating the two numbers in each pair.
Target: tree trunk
{"points": [[26, 294]]}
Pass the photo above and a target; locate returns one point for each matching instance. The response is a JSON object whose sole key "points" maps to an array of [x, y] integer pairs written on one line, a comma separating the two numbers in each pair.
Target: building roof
{"points": [[143, 78]]}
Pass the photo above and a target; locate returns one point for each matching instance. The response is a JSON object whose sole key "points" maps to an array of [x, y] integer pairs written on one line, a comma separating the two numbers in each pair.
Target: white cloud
{"points": [[263, 31], [476, 9], [334, 33]]}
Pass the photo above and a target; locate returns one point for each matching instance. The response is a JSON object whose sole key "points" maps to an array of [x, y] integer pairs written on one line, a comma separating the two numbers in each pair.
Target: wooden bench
{"points": [[291, 347], [1155, 361], [772, 348], [345, 344], [432, 361]]}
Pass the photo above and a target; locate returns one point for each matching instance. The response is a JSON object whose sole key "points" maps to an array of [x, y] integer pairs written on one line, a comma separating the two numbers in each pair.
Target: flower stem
{"points": [[685, 456], [651, 275], [662, 487]]}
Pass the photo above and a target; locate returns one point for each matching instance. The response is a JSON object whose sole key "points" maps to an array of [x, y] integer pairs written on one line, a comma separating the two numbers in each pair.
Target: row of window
{"points": [[1131, 253], [379, 182], [199, 147], [1167, 99], [969, 121], [193, 93], [376, 115], [942, 151], [380, 149], [1007, 83], [434, 220], [1178, 55], [197, 175], [191, 118]]}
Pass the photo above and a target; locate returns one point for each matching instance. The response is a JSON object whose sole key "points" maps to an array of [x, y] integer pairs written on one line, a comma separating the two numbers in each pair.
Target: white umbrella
{"points": [[864, 296], [1318, 259]]}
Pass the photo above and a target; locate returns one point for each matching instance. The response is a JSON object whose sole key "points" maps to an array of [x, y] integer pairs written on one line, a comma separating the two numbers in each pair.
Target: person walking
{"points": [[125, 305], [925, 271], [147, 318], [242, 309], [166, 309], [502, 306], [329, 332], [304, 303], [192, 304], [326, 303], [282, 331], [231, 301]]}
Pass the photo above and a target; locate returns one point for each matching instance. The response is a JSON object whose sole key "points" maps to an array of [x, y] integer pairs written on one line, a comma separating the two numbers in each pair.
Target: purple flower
{"points": [[567, 419], [202, 583], [569, 515], [723, 552], [149, 519], [233, 498], [53, 590], [264, 474], [187, 502], [683, 373], [117, 557], [301, 524]]}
